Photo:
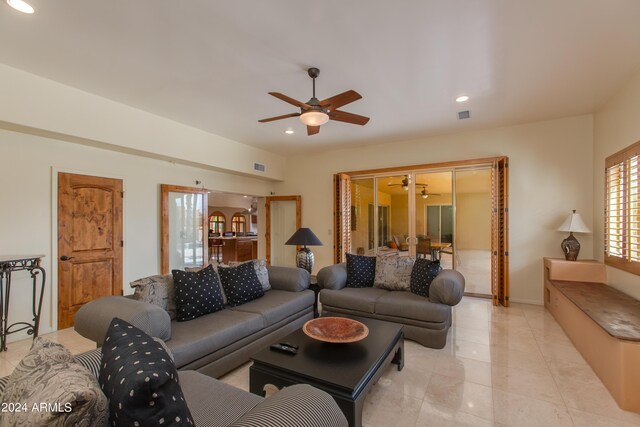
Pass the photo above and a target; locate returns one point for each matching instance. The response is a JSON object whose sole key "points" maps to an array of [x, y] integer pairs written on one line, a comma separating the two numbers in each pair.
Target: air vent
{"points": [[463, 114], [259, 167]]}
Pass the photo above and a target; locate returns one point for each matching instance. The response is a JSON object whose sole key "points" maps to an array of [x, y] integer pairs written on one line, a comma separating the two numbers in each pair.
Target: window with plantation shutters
{"points": [[622, 210]]}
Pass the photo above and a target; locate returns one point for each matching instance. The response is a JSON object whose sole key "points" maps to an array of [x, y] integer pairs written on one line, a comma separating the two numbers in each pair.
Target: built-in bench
{"points": [[602, 322]]}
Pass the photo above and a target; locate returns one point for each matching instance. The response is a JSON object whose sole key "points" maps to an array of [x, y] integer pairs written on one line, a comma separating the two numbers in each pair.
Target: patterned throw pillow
{"points": [[423, 273], [48, 374], [361, 271], [393, 272], [215, 266], [140, 380], [240, 283], [261, 271], [197, 293], [158, 290]]}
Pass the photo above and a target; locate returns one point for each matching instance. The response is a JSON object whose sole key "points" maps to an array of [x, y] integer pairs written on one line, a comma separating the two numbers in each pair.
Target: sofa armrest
{"points": [[292, 279], [93, 318], [333, 276], [298, 405], [447, 288]]}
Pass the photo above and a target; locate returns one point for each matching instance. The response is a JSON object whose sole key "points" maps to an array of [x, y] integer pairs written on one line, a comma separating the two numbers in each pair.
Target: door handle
{"points": [[65, 258]]}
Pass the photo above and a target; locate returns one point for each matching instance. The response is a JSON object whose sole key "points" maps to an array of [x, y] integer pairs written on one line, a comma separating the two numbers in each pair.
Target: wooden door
{"points": [[89, 241], [269, 233], [500, 232]]}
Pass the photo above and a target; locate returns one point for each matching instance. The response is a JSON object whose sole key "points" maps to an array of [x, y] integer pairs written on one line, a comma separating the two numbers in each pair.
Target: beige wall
{"points": [[34, 104], [550, 173], [616, 126], [28, 206]]}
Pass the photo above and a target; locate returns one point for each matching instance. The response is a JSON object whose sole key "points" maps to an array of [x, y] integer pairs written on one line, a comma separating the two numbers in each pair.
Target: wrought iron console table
{"points": [[9, 264]]}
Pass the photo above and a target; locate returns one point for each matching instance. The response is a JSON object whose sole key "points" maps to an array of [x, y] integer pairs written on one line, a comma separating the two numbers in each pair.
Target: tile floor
{"points": [[501, 367]]}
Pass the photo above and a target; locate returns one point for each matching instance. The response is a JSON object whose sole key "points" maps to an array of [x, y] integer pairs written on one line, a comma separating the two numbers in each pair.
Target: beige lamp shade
{"points": [[574, 224]]}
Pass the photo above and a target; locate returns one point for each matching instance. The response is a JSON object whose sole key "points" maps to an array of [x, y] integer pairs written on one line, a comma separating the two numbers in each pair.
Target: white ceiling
{"points": [[210, 64]]}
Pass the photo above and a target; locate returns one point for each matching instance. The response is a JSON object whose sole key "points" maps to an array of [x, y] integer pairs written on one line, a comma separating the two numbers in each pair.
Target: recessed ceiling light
{"points": [[462, 98], [21, 6], [289, 131]]}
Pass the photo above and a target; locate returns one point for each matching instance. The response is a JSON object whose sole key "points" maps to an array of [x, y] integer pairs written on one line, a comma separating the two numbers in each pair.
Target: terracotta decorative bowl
{"points": [[335, 329]]}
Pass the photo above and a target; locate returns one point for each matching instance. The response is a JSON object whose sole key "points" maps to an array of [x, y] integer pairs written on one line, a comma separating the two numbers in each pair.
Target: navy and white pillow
{"points": [[197, 293], [240, 283], [140, 380], [361, 271], [422, 274]]}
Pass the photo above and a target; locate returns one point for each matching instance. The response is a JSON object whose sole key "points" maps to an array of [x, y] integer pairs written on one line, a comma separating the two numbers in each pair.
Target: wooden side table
{"points": [[9, 264]]}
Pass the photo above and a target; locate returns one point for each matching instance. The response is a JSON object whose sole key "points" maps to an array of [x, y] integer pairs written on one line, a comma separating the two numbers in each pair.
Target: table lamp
{"points": [[570, 246], [304, 257]]}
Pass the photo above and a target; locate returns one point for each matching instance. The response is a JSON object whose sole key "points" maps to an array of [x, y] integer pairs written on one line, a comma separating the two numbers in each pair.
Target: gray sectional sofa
{"points": [[213, 403], [425, 320], [215, 343]]}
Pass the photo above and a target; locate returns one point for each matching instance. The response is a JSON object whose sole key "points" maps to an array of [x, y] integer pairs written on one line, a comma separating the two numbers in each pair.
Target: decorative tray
{"points": [[335, 329]]}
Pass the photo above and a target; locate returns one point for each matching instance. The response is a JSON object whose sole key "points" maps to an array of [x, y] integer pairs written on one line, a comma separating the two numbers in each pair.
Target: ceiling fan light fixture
{"points": [[405, 187], [21, 6], [424, 195], [314, 118]]}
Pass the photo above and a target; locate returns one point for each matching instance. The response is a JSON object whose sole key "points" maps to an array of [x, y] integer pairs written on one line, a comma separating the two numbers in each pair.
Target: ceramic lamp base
{"points": [[571, 248], [304, 259]]}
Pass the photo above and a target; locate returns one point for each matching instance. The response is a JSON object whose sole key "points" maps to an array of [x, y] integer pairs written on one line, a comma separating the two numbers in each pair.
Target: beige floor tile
{"points": [[520, 411], [383, 410], [460, 395], [467, 349], [586, 419], [530, 360], [412, 381], [551, 337], [473, 335], [464, 321], [433, 415], [526, 383], [514, 342], [556, 351], [6, 368], [239, 377], [464, 369]]}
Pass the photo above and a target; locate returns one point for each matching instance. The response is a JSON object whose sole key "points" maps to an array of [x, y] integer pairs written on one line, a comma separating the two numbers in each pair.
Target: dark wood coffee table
{"points": [[345, 371]]}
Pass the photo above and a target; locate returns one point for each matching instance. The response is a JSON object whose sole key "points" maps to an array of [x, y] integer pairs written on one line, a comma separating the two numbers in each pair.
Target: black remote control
{"points": [[284, 349]]}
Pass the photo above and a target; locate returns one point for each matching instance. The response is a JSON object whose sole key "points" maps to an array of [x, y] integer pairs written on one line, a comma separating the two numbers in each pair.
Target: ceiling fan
{"points": [[405, 186], [314, 113]]}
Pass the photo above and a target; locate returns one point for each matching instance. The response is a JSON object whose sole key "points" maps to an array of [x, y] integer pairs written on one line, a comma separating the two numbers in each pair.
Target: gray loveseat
{"points": [[213, 403], [425, 320], [215, 343]]}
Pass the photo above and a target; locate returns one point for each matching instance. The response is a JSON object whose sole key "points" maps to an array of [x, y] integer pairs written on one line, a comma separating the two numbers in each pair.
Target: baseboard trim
{"points": [[527, 301]]}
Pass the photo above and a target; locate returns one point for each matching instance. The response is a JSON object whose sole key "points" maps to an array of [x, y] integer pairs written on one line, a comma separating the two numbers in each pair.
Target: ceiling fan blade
{"points": [[291, 101], [285, 116], [312, 130], [338, 101], [343, 116]]}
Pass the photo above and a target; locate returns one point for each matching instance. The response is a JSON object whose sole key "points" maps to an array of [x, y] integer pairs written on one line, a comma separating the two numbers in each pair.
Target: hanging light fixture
{"points": [[423, 193], [314, 118]]}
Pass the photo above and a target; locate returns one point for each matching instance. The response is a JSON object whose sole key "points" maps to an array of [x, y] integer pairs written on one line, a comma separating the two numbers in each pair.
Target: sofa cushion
{"points": [[423, 273], [393, 272], [411, 306], [260, 265], [214, 265], [363, 299], [158, 290], [361, 271], [276, 305], [197, 293], [140, 379], [213, 403], [202, 336], [48, 374], [240, 283]]}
